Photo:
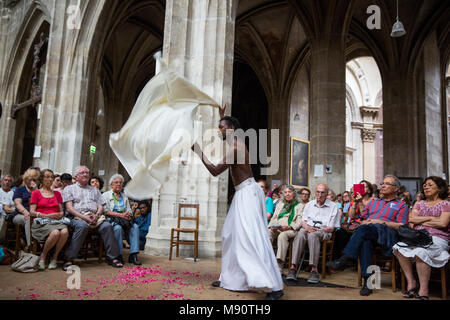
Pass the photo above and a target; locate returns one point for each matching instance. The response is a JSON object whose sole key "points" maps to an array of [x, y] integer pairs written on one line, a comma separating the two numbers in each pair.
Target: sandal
{"points": [[422, 297], [411, 293], [115, 263], [67, 265]]}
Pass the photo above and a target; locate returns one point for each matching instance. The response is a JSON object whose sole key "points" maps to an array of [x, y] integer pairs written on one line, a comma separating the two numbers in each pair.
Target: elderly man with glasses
{"points": [[320, 218], [388, 211], [85, 204]]}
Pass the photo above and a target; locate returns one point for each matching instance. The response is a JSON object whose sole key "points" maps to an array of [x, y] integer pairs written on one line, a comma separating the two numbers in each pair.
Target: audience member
{"points": [[346, 202], [21, 199], [57, 184], [332, 197], [276, 195], [320, 218], [66, 180], [419, 197], [269, 202], [286, 222], [379, 220], [304, 195], [432, 215], [85, 203], [144, 221], [96, 182], [47, 206], [118, 211], [352, 219], [6, 196]]}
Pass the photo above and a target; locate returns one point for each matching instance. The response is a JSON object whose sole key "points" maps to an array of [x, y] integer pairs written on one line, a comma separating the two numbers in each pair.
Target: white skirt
{"points": [[435, 256], [248, 260]]}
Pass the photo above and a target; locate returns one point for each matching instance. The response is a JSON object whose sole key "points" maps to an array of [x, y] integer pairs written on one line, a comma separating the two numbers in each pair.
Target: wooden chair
{"points": [[175, 241], [93, 243], [443, 280], [377, 257], [326, 253]]}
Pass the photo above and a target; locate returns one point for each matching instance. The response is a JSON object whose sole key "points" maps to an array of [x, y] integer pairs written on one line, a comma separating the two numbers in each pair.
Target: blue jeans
{"points": [[361, 245], [133, 237]]}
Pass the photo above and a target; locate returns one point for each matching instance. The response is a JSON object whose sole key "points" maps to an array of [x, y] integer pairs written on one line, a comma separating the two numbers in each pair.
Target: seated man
{"points": [[285, 222], [388, 211], [6, 202], [320, 218], [85, 203], [143, 221]]}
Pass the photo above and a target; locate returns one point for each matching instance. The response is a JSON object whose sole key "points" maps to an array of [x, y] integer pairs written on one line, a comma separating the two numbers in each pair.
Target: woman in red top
{"points": [[47, 208]]}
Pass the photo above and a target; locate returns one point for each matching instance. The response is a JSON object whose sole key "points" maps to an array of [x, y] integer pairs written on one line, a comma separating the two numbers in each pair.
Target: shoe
{"points": [[365, 291], [216, 284], [274, 295], [292, 275], [314, 277], [41, 264], [338, 264], [134, 259], [53, 264], [409, 294], [66, 265], [115, 263], [120, 258]]}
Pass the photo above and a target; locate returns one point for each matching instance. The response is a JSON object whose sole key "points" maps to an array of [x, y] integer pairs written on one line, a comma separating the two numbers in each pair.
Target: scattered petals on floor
{"points": [[129, 283]]}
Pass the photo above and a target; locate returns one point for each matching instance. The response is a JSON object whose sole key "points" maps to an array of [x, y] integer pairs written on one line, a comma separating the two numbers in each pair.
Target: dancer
{"points": [[248, 260]]}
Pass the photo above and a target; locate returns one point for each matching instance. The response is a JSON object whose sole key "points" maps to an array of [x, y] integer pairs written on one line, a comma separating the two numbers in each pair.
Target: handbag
{"points": [[26, 263], [414, 238], [124, 223]]}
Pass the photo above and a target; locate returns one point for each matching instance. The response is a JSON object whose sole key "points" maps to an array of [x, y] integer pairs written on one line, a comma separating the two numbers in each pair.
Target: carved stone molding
{"points": [[368, 135], [369, 111], [11, 3]]}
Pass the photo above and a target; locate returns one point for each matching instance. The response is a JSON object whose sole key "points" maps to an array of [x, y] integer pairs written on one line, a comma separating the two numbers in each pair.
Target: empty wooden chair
{"points": [[175, 240]]}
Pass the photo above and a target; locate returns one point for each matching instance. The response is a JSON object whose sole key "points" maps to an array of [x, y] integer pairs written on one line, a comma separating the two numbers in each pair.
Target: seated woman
{"points": [[352, 220], [433, 215], [46, 205], [21, 200], [117, 208]]}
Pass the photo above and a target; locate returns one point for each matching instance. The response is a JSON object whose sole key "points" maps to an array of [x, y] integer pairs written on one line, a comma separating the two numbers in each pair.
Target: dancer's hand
{"points": [[196, 148], [222, 110]]}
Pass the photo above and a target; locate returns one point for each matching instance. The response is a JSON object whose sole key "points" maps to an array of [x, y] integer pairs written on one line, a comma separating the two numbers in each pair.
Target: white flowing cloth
{"points": [[162, 119], [248, 260]]}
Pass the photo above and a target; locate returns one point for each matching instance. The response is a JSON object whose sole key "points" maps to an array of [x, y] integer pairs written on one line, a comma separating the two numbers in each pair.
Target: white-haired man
{"points": [[85, 204], [6, 202], [320, 218]]}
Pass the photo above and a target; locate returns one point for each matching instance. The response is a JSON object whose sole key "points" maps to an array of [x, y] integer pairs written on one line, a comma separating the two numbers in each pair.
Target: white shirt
{"points": [[328, 214], [6, 198]]}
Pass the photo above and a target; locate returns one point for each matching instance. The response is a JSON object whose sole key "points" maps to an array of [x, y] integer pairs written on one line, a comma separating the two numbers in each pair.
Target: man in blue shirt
{"points": [[143, 221]]}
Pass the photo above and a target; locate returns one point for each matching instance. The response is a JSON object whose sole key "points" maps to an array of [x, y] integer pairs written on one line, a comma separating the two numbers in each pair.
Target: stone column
{"points": [[368, 135], [199, 45], [327, 126]]}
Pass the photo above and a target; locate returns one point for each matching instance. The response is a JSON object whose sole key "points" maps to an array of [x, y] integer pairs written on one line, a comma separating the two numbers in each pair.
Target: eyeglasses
{"points": [[304, 194], [387, 183], [321, 192], [429, 185]]}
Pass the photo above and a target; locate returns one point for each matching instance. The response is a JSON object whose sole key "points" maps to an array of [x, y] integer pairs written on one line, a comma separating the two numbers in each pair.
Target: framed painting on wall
{"points": [[299, 165]]}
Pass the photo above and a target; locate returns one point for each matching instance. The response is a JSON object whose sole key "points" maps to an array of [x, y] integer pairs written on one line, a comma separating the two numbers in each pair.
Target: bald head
{"points": [[321, 193]]}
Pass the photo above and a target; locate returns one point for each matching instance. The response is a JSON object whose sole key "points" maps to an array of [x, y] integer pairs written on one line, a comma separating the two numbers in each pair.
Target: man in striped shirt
{"points": [[390, 211]]}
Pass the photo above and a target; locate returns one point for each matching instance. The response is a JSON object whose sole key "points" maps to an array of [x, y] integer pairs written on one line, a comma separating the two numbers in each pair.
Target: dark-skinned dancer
{"points": [[248, 260]]}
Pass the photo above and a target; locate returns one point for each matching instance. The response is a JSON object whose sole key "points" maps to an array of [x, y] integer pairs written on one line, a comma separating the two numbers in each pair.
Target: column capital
{"points": [[367, 111], [368, 135]]}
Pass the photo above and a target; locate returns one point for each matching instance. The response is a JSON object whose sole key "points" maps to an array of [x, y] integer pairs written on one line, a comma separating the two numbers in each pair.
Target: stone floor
{"points": [[161, 279]]}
